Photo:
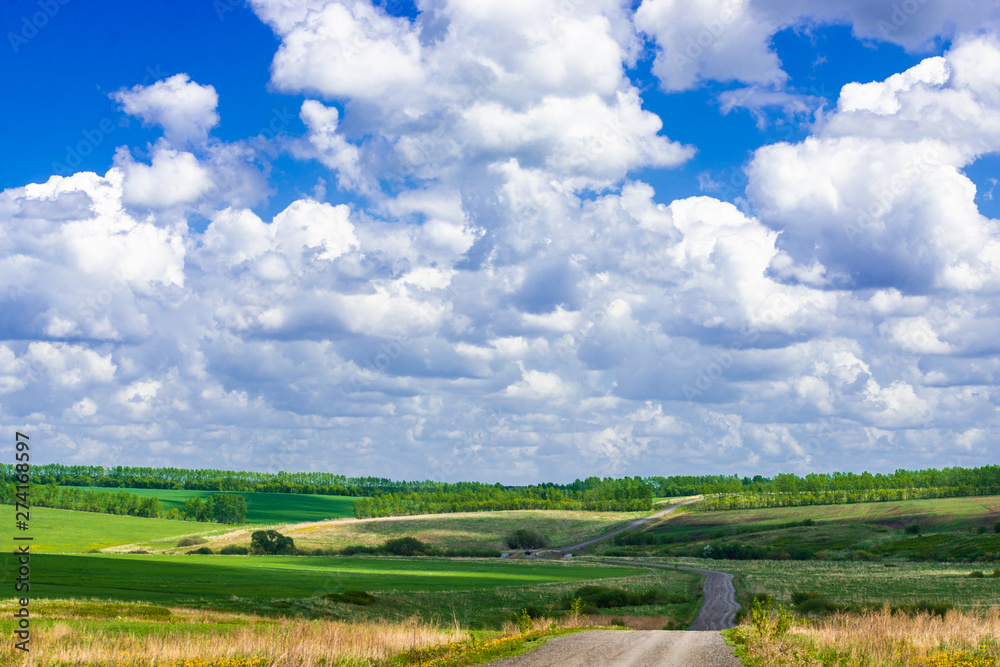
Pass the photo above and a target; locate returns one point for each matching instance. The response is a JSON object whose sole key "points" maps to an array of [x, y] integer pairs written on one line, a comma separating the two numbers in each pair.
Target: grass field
{"points": [[951, 529], [262, 508], [66, 531], [477, 592], [859, 583], [472, 529], [941, 514]]}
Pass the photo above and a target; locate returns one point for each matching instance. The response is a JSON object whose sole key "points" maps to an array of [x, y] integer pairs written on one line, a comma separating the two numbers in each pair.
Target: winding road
{"points": [[700, 645]]}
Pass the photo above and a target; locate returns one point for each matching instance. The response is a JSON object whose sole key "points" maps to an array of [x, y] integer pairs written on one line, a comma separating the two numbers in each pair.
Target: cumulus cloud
{"points": [[877, 196], [184, 109]]}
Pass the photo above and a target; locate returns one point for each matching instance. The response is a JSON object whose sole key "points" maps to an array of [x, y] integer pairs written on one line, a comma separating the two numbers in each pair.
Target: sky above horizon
{"points": [[519, 241]]}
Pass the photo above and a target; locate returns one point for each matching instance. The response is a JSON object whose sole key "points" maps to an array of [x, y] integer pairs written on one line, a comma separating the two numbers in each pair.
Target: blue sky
{"points": [[514, 242]]}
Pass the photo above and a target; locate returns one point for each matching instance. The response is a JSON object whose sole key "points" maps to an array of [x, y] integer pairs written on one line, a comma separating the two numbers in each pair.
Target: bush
{"points": [[523, 538], [532, 612], [912, 529], [814, 603], [407, 546], [980, 530], [355, 549], [976, 574], [362, 598], [996, 527], [604, 597], [271, 542], [234, 550], [924, 607], [205, 551], [191, 541]]}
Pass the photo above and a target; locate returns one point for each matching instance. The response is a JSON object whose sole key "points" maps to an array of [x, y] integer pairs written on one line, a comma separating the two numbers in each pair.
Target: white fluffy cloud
{"points": [[878, 196], [184, 109]]}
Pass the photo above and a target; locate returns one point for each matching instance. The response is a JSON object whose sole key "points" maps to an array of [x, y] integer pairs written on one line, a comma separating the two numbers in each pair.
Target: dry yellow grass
{"points": [[284, 642], [880, 639]]}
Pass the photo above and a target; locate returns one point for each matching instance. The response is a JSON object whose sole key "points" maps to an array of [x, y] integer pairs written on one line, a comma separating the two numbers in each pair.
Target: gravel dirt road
{"points": [[629, 648], [699, 646], [580, 546]]}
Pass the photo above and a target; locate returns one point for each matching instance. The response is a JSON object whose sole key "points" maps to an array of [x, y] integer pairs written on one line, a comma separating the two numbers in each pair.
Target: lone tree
{"points": [[271, 542], [522, 538], [230, 508]]}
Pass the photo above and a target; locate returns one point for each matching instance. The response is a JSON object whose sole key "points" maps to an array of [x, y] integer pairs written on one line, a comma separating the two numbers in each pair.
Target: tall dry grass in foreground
{"points": [[284, 643], [874, 639]]}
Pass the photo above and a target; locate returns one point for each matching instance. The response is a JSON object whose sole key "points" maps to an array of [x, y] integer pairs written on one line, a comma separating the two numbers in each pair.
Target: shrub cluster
{"points": [[605, 597], [362, 598], [191, 541], [810, 602], [523, 538]]}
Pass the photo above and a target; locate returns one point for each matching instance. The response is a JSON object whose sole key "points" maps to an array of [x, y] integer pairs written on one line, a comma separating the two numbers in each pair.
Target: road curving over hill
{"points": [[632, 525], [701, 645]]}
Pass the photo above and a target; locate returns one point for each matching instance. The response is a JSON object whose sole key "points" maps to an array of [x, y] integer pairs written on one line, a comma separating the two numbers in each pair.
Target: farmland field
{"points": [[262, 508], [948, 529], [470, 529], [66, 531], [475, 591]]}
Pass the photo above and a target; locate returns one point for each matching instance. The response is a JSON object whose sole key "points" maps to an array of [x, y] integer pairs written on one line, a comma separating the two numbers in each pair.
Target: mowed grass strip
{"points": [[66, 531], [467, 529], [179, 578], [262, 508]]}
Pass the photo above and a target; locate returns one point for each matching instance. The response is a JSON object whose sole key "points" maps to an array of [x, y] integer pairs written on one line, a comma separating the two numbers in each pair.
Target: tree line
{"points": [[218, 507], [964, 481], [615, 495]]}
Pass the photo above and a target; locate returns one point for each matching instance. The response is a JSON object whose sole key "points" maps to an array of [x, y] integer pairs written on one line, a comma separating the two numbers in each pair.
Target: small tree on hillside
{"points": [[230, 508], [523, 538], [271, 542]]}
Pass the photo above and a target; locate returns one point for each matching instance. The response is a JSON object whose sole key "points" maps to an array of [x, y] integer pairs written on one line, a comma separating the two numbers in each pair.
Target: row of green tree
{"points": [[218, 507], [742, 501], [608, 495], [211, 479], [985, 477], [85, 500]]}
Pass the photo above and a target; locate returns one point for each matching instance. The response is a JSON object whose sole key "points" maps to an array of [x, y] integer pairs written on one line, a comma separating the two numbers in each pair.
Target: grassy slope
{"points": [[477, 592], [937, 514], [841, 530], [66, 531], [262, 508], [854, 582], [481, 529]]}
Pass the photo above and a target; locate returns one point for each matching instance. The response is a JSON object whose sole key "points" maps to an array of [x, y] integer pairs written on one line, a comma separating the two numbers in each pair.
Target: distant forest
{"points": [[385, 497]]}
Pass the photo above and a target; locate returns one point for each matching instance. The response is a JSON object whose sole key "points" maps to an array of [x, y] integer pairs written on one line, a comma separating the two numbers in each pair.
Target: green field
{"points": [[480, 592], [262, 508], [859, 583], [66, 531], [479, 529], [950, 529]]}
